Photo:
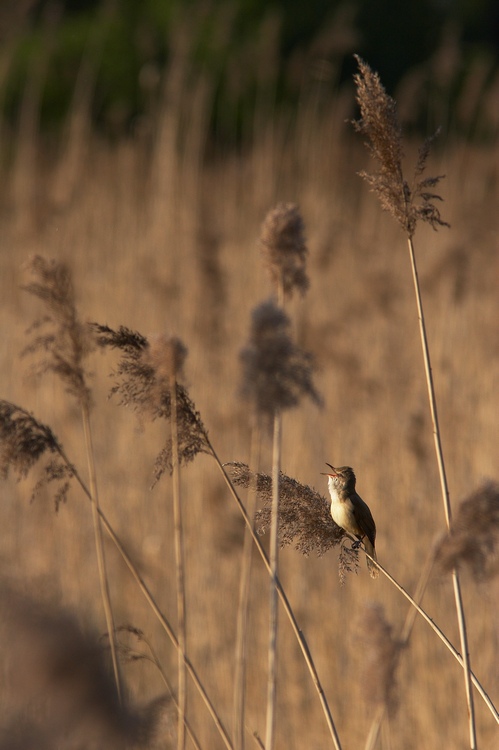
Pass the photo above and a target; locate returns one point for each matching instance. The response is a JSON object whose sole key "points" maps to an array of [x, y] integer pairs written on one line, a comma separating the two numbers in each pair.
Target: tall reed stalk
{"points": [[99, 546], [179, 565], [239, 707], [274, 570], [61, 343], [410, 204]]}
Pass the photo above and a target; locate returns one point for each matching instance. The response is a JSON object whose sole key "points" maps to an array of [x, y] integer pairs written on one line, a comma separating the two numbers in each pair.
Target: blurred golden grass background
{"points": [[161, 237]]}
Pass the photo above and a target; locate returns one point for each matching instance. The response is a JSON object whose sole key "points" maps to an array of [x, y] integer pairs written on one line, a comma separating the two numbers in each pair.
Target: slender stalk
{"points": [[410, 619], [439, 632], [99, 546], [273, 609], [445, 496], [287, 607], [179, 567], [154, 659], [243, 608], [154, 606]]}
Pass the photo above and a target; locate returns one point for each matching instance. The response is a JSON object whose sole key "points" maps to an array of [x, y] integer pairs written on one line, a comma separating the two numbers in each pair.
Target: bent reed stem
{"points": [[445, 494], [153, 604], [405, 634], [438, 631], [287, 607], [273, 608], [99, 546]]}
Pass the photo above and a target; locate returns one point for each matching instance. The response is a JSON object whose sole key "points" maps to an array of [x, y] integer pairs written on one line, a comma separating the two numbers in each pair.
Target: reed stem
{"points": [[99, 546], [445, 495], [273, 608], [179, 568]]}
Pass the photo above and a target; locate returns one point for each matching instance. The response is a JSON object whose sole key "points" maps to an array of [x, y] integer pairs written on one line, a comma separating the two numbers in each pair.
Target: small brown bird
{"points": [[350, 512]]}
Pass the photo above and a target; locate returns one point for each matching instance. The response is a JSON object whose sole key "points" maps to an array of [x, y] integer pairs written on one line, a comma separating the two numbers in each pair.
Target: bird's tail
{"points": [[373, 569]]}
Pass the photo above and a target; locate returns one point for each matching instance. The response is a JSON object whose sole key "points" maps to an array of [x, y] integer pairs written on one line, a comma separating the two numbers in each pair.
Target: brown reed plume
{"points": [[140, 384], [60, 342], [276, 372], [23, 440], [304, 518], [409, 204], [284, 250], [473, 539]]}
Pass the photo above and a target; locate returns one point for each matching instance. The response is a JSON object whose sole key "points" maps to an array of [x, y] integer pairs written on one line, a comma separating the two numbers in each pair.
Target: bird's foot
{"points": [[356, 544]]}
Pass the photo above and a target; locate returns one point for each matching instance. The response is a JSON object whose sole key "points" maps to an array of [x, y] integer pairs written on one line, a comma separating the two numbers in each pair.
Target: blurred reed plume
{"points": [[473, 539], [407, 203], [304, 514], [59, 340], [276, 372], [284, 250], [141, 381], [63, 344], [63, 670]]}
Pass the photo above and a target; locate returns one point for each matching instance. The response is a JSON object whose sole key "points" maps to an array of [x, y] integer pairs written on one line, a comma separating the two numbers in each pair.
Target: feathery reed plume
{"points": [[284, 250], [54, 660], [23, 440], [304, 515], [140, 384], [380, 652], [63, 342], [473, 539], [276, 372], [59, 340], [408, 204]]}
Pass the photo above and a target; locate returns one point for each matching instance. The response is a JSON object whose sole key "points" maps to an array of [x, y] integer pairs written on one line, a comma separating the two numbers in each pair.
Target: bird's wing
{"points": [[364, 519]]}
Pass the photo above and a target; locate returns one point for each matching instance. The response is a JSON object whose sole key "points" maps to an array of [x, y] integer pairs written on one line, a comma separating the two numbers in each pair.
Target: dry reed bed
{"points": [[195, 270]]}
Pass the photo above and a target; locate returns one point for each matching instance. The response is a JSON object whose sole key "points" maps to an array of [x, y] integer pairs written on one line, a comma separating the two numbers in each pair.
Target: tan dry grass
{"points": [[198, 278]]}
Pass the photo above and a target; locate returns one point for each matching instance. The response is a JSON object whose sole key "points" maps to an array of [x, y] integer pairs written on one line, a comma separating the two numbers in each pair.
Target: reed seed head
{"points": [[304, 514], [473, 539], [23, 440], [166, 355], [276, 372], [284, 249], [144, 378], [58, 339], [379, 123]]}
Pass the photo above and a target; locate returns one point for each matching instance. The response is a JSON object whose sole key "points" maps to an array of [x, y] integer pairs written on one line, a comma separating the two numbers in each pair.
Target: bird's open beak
{"points": [[327, 473]]}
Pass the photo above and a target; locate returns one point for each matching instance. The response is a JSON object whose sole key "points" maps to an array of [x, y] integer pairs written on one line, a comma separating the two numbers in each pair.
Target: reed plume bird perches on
{"points": [[350, 512]]}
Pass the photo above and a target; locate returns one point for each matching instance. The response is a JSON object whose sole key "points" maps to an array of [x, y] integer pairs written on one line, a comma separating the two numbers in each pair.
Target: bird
{"points": [[350, 512]]}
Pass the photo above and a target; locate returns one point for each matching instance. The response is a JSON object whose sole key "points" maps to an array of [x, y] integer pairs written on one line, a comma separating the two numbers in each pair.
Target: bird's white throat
{"points": [[340, 510]]}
